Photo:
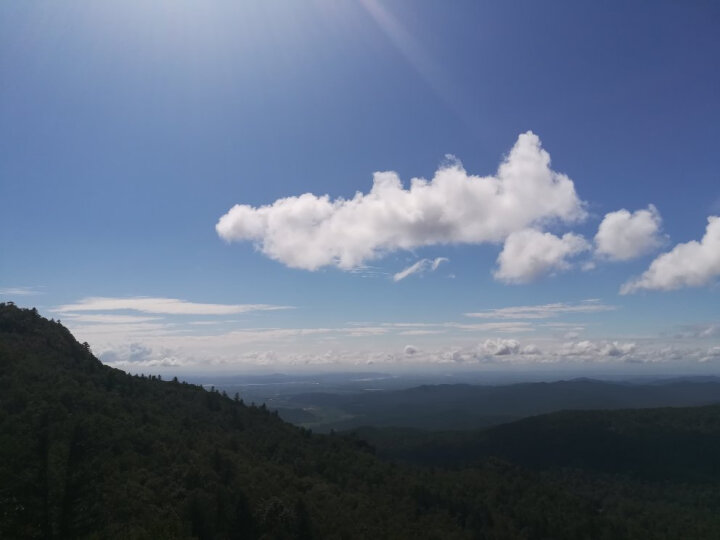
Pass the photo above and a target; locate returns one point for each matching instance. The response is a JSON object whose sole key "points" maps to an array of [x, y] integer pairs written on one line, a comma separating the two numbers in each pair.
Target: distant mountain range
{"points": [[463, 406]]}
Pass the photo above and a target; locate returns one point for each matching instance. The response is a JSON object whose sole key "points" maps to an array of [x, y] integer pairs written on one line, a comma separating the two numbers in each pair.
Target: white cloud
{"points": [[94, 333], [544, 311], [134, 352], [419, 267], [501, 347], [137, 355], [455, 357], [691, 264], [594, 349], [410, 324], [19, 291], [367, 271], [508, 347], [707, 330], [440, 327], [529, 253], [107, 319], [420, 332], [169, 306], [623, 236], [356, 331], [505, 327], [311, 231], [299, 347], [616, 348], [713, 353], [437, 262]]}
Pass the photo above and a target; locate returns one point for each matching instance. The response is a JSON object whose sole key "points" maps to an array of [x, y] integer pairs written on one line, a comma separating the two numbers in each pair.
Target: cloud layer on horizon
{"points": [[139, 355], [508, 335]]}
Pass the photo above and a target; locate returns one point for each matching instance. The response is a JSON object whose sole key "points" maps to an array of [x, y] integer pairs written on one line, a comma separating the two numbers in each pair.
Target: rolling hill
{"points": [[465, 406]]}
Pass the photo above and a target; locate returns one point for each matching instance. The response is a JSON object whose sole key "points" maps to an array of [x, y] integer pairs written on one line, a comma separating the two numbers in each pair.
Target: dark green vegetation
{"points": [[87, 451], [681, 444], [464, 406]]}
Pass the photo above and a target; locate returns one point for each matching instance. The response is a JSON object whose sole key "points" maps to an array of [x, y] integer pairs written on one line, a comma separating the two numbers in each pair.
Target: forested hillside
{"points": [[87, 451], [679, 444]]}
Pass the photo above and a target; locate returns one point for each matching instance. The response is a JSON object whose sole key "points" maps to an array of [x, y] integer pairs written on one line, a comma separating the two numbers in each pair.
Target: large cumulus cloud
{"points": [[687, 265], [311, 231], [529, 253], [623, 235]]}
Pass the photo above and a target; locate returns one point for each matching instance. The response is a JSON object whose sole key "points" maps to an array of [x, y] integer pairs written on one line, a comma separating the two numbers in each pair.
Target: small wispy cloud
{"points": [[102, 318], [699, 331], [544, 311], [410, 324], [167, 306], [20, 291], [420, 332], [419, 267], [94, 332], [504, 327], [404, 328], [367, 271]]}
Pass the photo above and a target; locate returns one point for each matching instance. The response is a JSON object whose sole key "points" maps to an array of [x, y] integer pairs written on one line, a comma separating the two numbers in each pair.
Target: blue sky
{"points": [[129, 129]]}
